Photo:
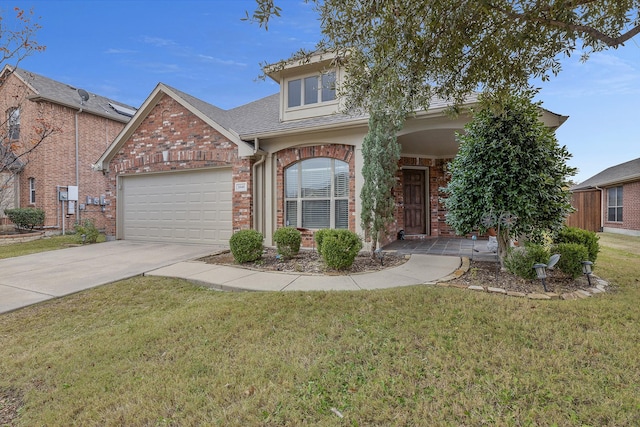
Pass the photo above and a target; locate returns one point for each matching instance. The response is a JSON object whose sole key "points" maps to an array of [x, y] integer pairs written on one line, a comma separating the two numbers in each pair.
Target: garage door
{"points": [[177, 207]]}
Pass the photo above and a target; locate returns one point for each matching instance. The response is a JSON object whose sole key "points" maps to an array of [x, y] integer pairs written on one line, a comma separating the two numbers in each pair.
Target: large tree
{"points": [[409, 50], [17, 35], [510, 174], [399, 54]]}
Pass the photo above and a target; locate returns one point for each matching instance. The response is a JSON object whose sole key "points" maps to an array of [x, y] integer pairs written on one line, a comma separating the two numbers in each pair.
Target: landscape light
{"points": [[586, 269], [541, 273]]}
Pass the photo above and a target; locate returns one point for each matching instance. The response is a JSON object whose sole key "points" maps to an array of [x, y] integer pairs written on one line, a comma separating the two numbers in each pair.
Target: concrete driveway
{"points": [[38, 277]]}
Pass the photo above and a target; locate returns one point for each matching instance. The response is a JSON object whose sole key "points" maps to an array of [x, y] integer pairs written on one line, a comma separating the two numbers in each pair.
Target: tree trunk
{"points": [[503, 246]]}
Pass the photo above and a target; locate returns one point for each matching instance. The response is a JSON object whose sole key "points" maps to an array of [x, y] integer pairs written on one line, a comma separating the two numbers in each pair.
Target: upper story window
{"points": [[13, 123], [311, 90], [317, 194], [32, 190], [614, 204]]}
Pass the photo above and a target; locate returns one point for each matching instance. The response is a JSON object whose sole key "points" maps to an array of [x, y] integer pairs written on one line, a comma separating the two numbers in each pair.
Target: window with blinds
{"points": [[614, 204], [317, 194]]}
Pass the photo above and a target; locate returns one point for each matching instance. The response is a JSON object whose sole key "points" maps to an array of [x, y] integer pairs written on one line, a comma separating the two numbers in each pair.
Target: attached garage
{"points": [[176, 207]]}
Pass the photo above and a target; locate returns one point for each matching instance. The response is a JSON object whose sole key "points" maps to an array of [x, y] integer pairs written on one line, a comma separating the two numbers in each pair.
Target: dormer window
{"points": [[311, 90]]}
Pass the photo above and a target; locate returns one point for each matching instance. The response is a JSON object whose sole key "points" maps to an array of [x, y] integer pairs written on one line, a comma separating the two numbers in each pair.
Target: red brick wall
{"points": [[53, 162], [630, 208], [191, 143], [286, 157]]}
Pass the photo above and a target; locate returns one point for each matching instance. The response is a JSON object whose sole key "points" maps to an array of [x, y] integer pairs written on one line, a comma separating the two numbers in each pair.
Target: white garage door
{"points": [[177, 207]]}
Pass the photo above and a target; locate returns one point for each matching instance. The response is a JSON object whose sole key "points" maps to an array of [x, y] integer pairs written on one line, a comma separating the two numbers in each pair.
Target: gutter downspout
{"points": [[77, 207], [601, 190], [257, 225]]}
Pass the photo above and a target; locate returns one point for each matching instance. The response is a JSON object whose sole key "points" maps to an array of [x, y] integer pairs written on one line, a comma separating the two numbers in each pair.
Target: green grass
{"points": [[41, 245], [158, 351]]}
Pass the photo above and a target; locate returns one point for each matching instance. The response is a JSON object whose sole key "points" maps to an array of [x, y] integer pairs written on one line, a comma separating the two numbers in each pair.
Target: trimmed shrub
{"points": [[88, 230], [288, 241], [520, 260], [339, 248], [319, 236], [588, 239], [571, 257], [26, 217], [246, 245]]}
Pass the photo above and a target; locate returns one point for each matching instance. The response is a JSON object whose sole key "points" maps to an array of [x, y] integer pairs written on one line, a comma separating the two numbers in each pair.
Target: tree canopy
{"points": [[510, 174], [402, 52]]}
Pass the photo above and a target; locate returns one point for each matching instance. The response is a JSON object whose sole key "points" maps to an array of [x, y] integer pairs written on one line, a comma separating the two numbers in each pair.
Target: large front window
{"points": [[614, 204], [317, 194]]}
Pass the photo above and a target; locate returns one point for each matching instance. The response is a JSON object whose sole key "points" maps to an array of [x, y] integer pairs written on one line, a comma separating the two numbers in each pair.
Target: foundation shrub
{"points": [[288, 241], [26, 218], [88, 230], [339, 248], [571, 257], [588, 239], [520, 260], [246, 246]]}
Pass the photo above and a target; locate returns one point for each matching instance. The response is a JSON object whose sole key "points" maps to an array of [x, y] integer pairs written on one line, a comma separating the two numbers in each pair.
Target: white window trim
{"points": [[299, 199], [617, 205], [32, 191], [302, 78]]}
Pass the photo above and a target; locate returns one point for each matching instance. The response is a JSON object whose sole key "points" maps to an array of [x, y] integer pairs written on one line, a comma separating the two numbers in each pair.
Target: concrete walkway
{"points": [[419, 269]]}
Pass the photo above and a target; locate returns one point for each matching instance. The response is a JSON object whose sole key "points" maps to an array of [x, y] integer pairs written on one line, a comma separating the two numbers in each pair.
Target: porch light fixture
{"points": [[586, 269], [541, 272]]}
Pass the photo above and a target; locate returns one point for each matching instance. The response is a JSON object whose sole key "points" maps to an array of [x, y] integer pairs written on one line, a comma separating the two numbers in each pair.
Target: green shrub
{"points": [[287, 241], [571, 257], [339, 248], [88, 230], [588, 239], [26, 217], [520, 260], [319, 236], [246, 245]]}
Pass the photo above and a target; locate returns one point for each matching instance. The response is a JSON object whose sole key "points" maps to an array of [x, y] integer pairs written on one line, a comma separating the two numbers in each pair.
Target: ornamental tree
{"points": [[510, 174]]}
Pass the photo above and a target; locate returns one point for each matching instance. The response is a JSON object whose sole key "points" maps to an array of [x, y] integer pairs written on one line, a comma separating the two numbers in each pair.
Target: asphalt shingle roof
{"points": [[262, 116], [615, 174], [62, 93]]}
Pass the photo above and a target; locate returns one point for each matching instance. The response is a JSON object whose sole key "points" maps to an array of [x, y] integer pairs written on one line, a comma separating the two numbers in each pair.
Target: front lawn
{"points": [[40, 245], [157, 351]]}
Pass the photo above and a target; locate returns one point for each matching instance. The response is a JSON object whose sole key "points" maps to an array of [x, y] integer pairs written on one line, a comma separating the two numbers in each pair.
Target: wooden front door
{"points": [[414, 201]]}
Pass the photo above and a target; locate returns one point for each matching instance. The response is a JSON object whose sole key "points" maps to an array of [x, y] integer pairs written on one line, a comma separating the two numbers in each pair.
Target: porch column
{"points": [[269, 203]]}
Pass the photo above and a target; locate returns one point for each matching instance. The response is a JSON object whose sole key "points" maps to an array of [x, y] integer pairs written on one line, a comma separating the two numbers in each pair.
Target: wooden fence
{"points": [[588, 210]]}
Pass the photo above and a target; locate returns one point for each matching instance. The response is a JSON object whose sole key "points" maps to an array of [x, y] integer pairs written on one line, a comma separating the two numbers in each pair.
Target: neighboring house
{"points": [[609, 201], [186, 171], [82, 125]]}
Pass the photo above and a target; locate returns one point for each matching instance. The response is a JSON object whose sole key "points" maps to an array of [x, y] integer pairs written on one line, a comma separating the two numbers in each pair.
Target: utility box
{"points": [[73, 192], [63, 195]]}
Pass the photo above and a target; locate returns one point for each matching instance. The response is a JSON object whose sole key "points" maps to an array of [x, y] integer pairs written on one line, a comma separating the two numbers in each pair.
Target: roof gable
{"points": [[215, 117]]}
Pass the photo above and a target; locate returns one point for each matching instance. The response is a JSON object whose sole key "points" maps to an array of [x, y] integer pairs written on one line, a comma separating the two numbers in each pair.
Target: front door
{"points": [[414, 201]]}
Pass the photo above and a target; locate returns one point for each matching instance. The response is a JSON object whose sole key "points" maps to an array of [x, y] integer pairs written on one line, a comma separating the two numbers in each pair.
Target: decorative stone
{"points": [[516, 294], [582, 293], [569, 296], [538, 296], [476, 288], [496, 290], [552, 295], [595, 290]]}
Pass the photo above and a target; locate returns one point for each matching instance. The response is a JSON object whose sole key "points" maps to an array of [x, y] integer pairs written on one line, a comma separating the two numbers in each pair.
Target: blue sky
{"points": [[122, 49]]}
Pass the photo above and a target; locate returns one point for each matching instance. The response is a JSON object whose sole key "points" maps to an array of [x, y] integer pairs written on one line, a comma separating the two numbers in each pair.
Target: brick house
{"points": [[183, 170], [609, 201], [80, 130]]}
